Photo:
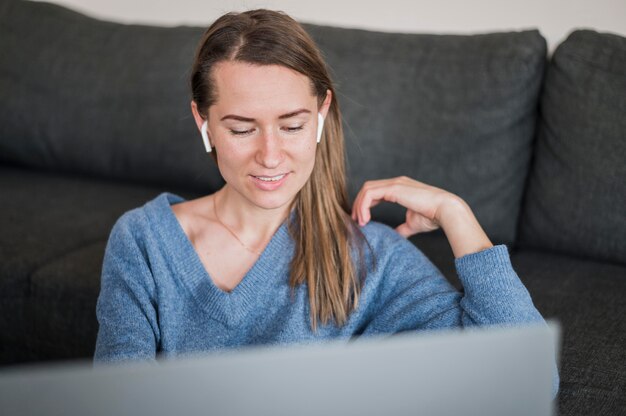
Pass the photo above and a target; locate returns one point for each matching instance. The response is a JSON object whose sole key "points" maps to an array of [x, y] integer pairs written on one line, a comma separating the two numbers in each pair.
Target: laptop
{"points": [[482, 371]]}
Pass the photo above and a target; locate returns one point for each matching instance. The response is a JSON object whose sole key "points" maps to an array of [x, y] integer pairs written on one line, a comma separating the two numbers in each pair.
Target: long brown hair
{"points": [[329, 246]]}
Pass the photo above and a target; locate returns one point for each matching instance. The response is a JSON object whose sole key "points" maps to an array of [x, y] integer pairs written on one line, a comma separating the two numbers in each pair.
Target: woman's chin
{"points": [[272, 202]]}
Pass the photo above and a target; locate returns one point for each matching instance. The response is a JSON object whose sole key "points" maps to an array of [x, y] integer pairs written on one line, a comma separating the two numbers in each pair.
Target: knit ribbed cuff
{"points": [[489, 269]]}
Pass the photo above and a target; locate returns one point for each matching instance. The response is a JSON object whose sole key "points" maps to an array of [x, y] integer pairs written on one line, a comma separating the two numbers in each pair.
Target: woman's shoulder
{"points": [[378, 233], [391, 258], [386, 242], [138, 220], [189, 213]]}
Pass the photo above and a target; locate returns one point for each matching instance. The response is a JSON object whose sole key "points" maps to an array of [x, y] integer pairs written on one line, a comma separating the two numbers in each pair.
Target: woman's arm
{"points": [[428, 208], [126, 308], [464, 233], [421, 298], [493, 293]]}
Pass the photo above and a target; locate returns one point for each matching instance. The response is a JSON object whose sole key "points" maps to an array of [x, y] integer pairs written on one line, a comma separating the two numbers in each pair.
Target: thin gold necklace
{"points": [[229, 230]]}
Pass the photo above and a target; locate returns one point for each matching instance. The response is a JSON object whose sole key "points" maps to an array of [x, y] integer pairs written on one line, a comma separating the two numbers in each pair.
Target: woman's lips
{"points": [[269, 183]]}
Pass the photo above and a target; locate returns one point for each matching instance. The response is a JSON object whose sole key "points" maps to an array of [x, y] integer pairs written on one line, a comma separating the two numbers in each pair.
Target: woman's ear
{"points": [[196, 115], [202, 126], [326, 104]]}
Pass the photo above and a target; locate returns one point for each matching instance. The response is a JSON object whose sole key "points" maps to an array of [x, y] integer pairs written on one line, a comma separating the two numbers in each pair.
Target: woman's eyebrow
{"points": [[238, 118], [294, 113], [250, 120]]}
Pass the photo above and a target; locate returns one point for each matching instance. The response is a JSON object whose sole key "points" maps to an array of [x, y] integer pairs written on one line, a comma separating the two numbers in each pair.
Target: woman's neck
{"points": [[252, 224]]}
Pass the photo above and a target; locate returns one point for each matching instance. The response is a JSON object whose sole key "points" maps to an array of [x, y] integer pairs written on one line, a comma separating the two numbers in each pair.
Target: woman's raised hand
{"points": [[423, 203], [428, 208]]}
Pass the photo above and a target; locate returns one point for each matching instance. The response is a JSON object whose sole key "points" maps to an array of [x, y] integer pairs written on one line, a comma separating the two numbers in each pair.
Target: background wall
{"points": [[554, 18]]}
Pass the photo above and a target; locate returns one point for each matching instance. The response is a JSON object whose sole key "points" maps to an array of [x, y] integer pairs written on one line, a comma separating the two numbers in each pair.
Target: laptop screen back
{"points": [[496, 371]]}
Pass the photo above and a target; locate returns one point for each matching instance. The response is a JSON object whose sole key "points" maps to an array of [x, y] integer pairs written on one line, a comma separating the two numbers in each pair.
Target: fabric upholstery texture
{"points": [[95, 120], [123, 90], [456, 112], [587, 298], [576, 201], [452, 111], [54, 228]]}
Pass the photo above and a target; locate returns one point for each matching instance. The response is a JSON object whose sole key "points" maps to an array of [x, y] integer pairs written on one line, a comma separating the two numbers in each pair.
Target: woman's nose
{"points": [[269, 153]]}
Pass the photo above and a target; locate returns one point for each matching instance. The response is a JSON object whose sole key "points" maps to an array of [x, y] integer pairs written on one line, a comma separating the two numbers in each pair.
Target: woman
{"points": [[278, 255]]}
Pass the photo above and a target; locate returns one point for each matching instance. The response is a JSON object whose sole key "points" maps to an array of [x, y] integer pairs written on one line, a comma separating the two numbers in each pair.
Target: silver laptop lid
{"points": [[482, 371]]}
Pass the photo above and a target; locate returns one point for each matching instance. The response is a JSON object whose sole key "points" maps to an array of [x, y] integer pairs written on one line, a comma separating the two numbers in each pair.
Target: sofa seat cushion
{"points": [[56, 318], [576, 197], [54, 231], [587, 298]]}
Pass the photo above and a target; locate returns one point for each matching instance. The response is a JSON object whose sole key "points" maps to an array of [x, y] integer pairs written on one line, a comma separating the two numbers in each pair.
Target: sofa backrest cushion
{"points": [[453, 111], [576, 201], [111, 100], [99, 98]]}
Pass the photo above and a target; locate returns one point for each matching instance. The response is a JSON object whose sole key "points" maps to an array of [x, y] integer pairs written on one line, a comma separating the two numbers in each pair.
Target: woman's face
{"points": [[263, 127]]}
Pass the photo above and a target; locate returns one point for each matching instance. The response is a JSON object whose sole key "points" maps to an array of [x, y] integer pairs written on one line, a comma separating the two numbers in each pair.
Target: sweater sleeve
{"points": [[126, 307], [417, 296], [494, 294]]}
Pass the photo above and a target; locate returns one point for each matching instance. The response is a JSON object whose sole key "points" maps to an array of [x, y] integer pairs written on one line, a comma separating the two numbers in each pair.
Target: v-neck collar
{"points": [[231, 307]]}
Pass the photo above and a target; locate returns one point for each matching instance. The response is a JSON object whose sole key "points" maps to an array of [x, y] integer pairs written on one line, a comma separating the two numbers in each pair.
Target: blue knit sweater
{"points": [[156, 297]]}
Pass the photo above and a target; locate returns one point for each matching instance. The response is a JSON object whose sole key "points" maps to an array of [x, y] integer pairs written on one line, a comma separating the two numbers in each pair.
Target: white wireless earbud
{"points": [[320, 126], [205, 135]]}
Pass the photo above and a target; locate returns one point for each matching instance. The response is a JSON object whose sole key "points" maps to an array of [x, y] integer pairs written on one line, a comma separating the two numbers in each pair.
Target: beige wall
{"points": [[554, 18]]}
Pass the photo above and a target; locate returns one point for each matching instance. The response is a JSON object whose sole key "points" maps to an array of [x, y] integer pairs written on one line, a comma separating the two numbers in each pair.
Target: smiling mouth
{"points": [[270, 178]]}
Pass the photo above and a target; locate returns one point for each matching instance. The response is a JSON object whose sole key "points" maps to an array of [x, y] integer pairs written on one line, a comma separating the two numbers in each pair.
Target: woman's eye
{"points": [[293, 129], [250, 131], [241, 132]]}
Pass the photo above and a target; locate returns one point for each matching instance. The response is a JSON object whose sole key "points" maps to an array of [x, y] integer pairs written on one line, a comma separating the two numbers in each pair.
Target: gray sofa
{"points": [[95, 120]]}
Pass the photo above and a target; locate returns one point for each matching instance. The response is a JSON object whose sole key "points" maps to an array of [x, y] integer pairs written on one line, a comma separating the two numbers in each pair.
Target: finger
{"points": [[355, 205], [365, 208], [373, 196], [405, 230], [368, 198], [362, 209], [365, 199]]}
